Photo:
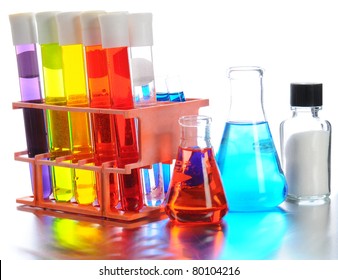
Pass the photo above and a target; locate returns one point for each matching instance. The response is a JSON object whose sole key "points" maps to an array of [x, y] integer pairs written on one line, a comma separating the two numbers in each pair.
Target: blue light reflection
{"points": [[253, 235]]}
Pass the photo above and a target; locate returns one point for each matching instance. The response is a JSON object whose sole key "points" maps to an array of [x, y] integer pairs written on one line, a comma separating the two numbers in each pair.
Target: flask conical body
{"points": [[247, 158], [196, 194]]}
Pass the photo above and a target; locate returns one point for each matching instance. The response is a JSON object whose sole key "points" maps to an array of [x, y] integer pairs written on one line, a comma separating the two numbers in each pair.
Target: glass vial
{"points": [[142, 68], [196, 193], [306, 146], [25, 39], [252, 176]]}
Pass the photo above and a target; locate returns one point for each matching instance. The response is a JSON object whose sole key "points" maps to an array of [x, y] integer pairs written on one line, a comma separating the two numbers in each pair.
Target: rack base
{"points": [[92, 211]]}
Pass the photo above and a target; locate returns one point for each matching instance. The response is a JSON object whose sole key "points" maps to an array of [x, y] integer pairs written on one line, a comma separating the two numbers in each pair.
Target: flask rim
{"points": [[194, 120], [243, 69]]}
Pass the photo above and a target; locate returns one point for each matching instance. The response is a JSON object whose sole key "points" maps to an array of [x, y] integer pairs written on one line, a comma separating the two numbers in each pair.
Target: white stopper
{"points": [[114, 30], [47, 27], [91, 32], [23, 28], [140, 29], [69, 28]]}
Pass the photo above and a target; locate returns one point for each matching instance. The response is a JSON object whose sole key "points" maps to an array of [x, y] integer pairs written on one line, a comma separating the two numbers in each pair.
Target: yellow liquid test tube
{"points": [[57, 121], [74, 78]]}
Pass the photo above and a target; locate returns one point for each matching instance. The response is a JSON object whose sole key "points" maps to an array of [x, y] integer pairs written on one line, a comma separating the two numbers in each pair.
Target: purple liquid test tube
{"points": [[24, 39]]}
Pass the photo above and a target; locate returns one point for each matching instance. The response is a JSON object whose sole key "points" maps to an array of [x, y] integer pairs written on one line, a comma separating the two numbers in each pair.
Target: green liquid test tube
{"points": [[57, 121]]}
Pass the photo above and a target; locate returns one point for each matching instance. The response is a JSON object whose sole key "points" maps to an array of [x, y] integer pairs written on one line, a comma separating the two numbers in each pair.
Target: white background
{"points": [[198, 40]]}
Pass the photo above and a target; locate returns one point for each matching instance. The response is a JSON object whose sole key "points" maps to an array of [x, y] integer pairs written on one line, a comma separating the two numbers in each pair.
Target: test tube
{"points": [[57, 121], [169, 88], [75, 87], [141, 42], [176, 94], [115, 39], [103, 129], [24, 37]]}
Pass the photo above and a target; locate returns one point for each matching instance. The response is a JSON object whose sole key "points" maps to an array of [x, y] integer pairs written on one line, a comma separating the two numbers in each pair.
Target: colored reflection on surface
{"points": [[254, 236], [289, 232], [147, 241], [196, 242], [78, 237]]}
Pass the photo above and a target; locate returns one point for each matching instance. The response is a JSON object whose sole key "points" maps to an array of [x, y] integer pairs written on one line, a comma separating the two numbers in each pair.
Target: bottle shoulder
{"points": [[305, 124]]}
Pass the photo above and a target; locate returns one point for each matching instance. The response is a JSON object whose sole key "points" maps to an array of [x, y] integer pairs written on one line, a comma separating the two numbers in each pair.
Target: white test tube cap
{"points": [[47, 27], [69, 28], [114, 30], [140, 29], [23, 28], [90, 25]]}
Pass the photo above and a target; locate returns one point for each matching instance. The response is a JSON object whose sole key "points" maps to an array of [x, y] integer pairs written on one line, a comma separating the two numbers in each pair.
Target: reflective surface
{"points": [[290, 232]]}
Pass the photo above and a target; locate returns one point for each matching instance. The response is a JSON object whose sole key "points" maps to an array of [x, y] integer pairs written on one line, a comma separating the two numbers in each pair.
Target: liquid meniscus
{"points": [[162, 96], [28, 64], [177, 96]]}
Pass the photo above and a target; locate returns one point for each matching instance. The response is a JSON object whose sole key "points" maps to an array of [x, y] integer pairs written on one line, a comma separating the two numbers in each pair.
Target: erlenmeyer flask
{"points": [[247, 158], [196, 194]]}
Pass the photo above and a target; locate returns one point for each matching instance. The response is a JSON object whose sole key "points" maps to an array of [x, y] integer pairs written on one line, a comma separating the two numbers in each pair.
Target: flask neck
{"points": [[306, 111], [246, 85], [195, 132]]}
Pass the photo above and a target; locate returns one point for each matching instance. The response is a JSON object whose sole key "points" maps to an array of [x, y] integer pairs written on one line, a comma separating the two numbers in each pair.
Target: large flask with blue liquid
{"points": [[247, 158]]}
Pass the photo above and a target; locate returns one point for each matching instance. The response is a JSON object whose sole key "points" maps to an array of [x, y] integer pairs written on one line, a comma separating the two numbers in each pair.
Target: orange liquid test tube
{"points": [[103, 128], [115, 38]]}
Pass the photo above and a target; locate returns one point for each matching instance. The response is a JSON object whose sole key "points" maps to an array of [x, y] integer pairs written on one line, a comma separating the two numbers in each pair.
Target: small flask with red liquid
{"points": [[196, 193]]}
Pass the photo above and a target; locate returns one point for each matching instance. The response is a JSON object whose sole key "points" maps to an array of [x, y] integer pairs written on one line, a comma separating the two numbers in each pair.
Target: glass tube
{"points": [[24, 40], [115, 39], [103, 127], [75, 87], [57, 121]]}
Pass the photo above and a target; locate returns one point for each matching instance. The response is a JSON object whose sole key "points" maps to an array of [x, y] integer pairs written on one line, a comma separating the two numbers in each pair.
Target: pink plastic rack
{"points": [[158, 135]]}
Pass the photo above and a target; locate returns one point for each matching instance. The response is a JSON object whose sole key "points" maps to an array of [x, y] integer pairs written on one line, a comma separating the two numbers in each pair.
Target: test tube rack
{"points": [[158, 136]]}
